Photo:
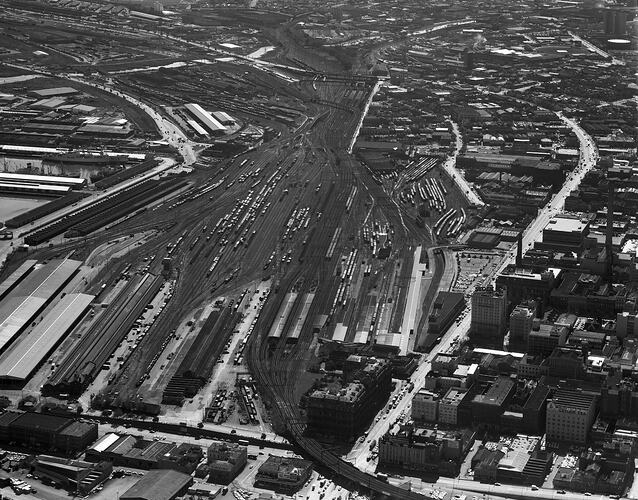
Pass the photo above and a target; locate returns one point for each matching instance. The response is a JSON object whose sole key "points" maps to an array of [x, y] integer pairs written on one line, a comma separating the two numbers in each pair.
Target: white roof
{"points": [[106, 441], [26, 355], [41, 179]]}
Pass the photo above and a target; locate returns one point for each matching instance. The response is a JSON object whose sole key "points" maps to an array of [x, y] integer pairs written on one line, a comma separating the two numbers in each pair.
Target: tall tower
{"points": [[519, 250], [609, 236], [489, 317]]}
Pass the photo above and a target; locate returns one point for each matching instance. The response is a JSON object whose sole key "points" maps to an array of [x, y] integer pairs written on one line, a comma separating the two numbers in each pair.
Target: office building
{"points": [[489, 317], [225, 461], [521, 323], [283, 474], [570, 415], [425, 406], [342, 407]]}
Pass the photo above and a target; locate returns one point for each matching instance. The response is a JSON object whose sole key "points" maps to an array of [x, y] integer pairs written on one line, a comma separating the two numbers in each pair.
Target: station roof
{"points": [[20, 361]]}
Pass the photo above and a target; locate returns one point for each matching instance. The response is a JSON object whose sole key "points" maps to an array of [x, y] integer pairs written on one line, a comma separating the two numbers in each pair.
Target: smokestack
{"points": [[519, 250], [610, 231]]}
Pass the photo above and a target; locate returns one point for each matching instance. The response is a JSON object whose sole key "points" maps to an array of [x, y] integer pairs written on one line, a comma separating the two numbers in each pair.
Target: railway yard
{"points": [[219, 242]]}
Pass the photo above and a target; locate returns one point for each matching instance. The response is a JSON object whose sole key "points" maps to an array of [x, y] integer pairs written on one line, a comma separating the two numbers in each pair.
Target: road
{"points": [[171, 133], [450, 167], [588, 159], [513, 491]]}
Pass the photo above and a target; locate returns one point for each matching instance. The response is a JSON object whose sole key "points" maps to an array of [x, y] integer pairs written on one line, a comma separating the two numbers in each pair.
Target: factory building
{"points": [[159, 485], [205, 119], [74, 475], [40, 430]]}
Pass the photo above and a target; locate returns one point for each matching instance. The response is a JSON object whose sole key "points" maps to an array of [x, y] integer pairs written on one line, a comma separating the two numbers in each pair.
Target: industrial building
{"points": [[31, 295], [44, 431], [74, 475], [159, 485], [21, 360], [129, 451], [72, 182], [205, 119]]}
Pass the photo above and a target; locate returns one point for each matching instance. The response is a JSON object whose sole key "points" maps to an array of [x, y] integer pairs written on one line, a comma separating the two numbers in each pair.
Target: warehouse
{"points": [[73, 182], [31, 296], [20, 361], [39, 430], [159, 485], [56, 91], [224, 118], [16, 277], [205, 118], [33, 189]]}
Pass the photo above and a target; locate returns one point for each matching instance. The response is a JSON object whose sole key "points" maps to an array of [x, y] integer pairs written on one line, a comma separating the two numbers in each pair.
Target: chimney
{"points": [[519, 250], [609, 253]]}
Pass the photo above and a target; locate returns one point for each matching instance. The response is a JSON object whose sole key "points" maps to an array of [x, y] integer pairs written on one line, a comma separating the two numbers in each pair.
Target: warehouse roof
{"points": [[16, 276], [105, 442], [77, 428], [31, 295], [28, 353], [158, 485], [42, 179], [48, 423], [56, 91], [45, 188]]}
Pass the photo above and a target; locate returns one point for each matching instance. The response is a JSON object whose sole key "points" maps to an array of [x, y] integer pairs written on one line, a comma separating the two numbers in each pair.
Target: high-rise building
{"points": [[626, 324], [521, 323], [489, 317]]}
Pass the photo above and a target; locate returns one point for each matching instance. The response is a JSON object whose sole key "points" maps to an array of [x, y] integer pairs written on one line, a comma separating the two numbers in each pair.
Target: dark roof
{"points": [[7, 417], [78, 428], [41, 421], [158, 484]]}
